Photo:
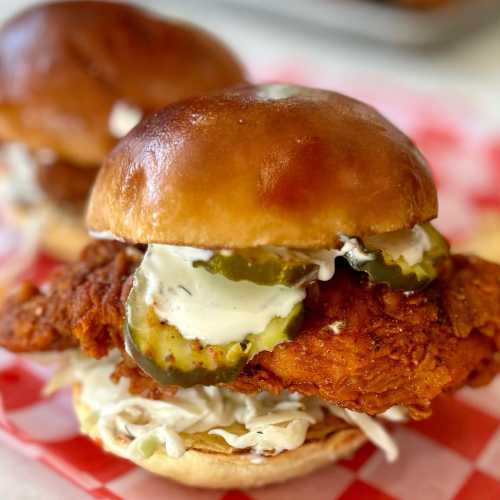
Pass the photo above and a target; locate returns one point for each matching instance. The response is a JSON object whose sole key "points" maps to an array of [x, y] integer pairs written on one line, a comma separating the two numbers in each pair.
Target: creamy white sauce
{"points": [[353, 246], [207, 306], [123, 118], [273, 424], [21, 168], [191, 254], [216, 310], [325, 259], [410, 244]]}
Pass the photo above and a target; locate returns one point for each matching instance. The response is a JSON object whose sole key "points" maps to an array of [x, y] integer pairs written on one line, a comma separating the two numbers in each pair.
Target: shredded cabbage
{"points": [[272, 424]]}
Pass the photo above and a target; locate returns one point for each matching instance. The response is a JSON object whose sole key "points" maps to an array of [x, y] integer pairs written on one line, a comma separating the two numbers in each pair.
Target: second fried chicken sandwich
{"points": [[265, 289], [76, 76]]}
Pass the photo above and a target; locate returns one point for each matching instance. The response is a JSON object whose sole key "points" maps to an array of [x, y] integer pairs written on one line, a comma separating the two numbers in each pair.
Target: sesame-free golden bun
{"points": [[262, 165], [64, 65], [210, 469]]}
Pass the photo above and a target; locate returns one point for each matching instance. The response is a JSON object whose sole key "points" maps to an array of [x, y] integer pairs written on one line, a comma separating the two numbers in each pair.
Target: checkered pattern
{"points": [[453, 455]]}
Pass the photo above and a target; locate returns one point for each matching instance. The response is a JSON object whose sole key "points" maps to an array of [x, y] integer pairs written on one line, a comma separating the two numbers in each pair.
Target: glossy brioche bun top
{"points": [[64, 65], [262, 165]]}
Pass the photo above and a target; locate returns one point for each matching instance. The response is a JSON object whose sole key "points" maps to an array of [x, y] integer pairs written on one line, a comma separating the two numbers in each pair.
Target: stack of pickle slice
{"points": [[162, 352]]}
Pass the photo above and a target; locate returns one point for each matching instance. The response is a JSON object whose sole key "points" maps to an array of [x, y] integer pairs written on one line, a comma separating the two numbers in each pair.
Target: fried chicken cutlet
{"points": [[362, 346]]}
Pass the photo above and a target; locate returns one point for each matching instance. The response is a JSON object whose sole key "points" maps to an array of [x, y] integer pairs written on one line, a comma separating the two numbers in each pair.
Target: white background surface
{"points": [[470, 67]]}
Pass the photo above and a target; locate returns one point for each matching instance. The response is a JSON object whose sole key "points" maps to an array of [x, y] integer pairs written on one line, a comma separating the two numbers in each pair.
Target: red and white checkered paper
{"points": [[453, 455]]}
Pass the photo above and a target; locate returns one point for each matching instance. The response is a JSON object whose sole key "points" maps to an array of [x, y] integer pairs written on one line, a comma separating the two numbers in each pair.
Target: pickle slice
{"points": [[260, 266], [162, 352], [398, 274]]}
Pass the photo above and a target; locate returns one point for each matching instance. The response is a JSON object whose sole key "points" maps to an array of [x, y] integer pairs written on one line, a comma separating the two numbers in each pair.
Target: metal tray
{"points": [[383, 22]]}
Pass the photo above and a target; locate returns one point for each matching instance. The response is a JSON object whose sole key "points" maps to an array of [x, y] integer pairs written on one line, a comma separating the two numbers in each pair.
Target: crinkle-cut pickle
{"points": [[260, 266], [265, 267], [162, 352], [398, 274]]}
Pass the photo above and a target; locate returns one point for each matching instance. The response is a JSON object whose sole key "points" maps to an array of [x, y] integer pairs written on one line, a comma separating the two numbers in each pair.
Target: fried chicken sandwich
{"points": [[265, 289], [74, 78]]}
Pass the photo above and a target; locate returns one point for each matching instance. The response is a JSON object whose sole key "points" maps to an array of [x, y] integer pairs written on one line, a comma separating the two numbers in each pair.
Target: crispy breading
{"points": [[362, 346], [82, 304], [140, 383], [392, 349]]}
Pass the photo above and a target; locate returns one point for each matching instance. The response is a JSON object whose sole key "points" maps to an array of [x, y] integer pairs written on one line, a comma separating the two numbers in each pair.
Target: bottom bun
{"points": [[61, 235], [228, 471]]}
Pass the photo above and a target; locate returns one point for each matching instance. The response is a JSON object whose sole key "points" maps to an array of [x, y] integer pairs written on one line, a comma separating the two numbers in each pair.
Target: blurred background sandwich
{"points": [[74, 78]]}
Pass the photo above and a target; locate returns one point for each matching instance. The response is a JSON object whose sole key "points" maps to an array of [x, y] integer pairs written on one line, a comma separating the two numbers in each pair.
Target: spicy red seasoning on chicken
{"points": [[266, 288]]}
